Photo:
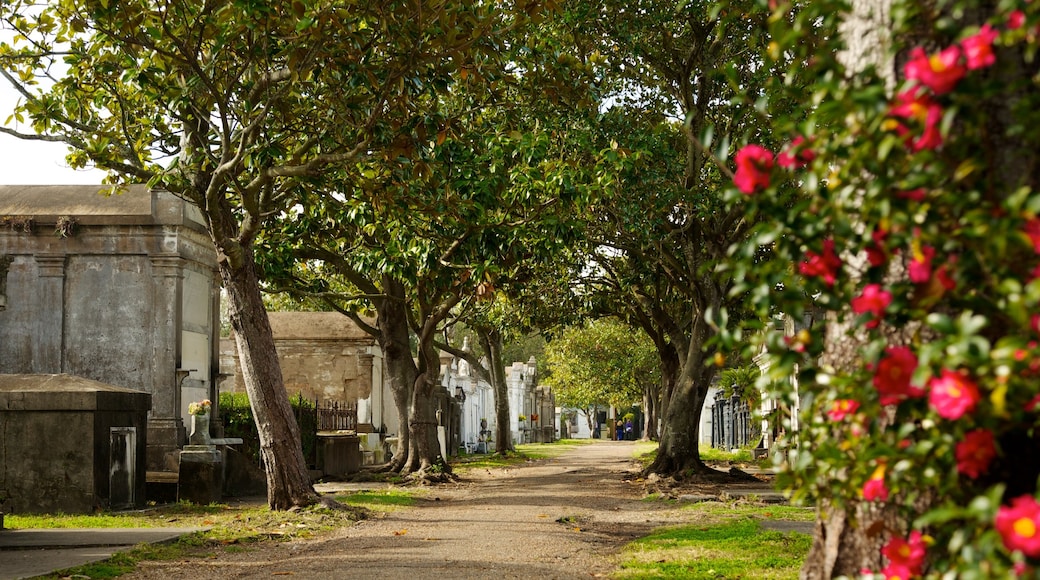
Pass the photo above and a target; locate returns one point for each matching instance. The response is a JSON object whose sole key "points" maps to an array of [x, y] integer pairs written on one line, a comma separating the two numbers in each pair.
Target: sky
{"points": [[35, 162]]}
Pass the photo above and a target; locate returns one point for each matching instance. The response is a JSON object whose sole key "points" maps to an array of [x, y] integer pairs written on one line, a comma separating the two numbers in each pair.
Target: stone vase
{"points": [[199, 430]]}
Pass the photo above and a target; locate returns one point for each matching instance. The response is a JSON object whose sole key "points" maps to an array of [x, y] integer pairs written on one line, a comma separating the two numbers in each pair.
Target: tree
{"points": [[918, 238], [236, 108], [685, 79], [604, 363]]}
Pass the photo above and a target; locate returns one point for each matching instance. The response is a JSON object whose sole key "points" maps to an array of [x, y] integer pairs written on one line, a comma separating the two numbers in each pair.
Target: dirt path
{"points": [[562, 518]]}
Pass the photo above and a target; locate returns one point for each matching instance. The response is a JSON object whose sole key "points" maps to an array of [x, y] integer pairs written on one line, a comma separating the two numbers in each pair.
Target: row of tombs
{"points": [[110, 330]]}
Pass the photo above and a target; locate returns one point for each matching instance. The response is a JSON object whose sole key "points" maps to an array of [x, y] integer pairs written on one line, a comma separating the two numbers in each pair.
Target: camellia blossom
{"points": [[873, 300], [893, 374], [917, 106], [978, 48], [1032, 229], [877, 255], [939, 72], [874, 489], [1019, 525], [975, 452], [824, 265], [920, 267], [842, 408], [952, 394], [919, 194], [908, 554], [796, 155], [896, 572], [754, 165], [1016, 19]]}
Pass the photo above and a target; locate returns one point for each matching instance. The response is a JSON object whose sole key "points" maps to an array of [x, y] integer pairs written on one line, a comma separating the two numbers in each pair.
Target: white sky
{"points": [[35, 162]]}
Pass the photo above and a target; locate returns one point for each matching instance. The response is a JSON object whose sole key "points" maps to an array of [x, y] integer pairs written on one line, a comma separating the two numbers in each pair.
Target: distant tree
{"points": [[604, 363]]}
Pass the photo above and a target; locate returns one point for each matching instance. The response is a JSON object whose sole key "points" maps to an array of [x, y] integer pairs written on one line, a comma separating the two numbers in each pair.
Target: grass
{"points": [[727, 542], [230, 528], [646, 452], [384, 500]]}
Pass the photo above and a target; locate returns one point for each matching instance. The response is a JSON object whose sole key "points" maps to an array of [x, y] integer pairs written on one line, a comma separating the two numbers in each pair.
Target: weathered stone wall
{"points": [[326, 357], [126, 295]]}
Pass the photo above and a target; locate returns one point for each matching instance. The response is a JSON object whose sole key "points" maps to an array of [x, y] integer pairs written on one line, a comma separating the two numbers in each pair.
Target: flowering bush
{"points": [[200, 407], [903, 221]]}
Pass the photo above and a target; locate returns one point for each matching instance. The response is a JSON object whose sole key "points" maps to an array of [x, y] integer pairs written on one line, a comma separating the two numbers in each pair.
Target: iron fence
{"points": [[336, 416], [731, 423]]}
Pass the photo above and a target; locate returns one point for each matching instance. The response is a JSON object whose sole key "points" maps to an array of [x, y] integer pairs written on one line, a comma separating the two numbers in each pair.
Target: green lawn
{"points": [[727, 542]]}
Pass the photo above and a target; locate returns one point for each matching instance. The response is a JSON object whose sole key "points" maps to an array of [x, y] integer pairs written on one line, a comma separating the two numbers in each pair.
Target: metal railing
{"points": [[336, 416], [730, 423]]}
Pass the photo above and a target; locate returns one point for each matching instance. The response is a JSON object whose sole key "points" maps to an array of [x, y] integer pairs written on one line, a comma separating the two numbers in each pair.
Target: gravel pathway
{"points": [[560, 518]]}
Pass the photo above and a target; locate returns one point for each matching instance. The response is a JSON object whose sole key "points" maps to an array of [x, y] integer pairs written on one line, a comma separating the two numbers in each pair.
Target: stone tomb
{"points": [[69, 444], [116, 288]]}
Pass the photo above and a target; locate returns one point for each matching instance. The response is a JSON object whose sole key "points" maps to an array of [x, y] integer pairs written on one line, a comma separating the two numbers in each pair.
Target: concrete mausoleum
{"points": [[120, 289], [69, 444]]}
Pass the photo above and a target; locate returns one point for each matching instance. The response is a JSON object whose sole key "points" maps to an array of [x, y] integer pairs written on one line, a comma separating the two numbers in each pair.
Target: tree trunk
{"points": [[288, 481], [678, 451], [491, 341], [425, 447], [392, 322], [424, 450], [650, 395]]}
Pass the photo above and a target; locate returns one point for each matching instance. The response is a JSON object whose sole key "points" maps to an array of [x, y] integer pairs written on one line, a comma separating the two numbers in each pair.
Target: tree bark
{"points": [[679, 449], [491, 341], [288, 480], [393, 338]]}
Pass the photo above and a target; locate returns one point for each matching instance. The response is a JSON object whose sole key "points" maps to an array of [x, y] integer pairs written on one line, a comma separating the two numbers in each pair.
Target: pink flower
{"points": [[874, 489], [1016, 19], [876, 253], [825, 264], [914, 105], [952, 394], [896, 572], [1019, 525], [873, 300], [754, 165], [918, 194], [1032, 229], [908, 554], [975, 452], [842, 408], [942, 274], [939, 72], [920, 268], [978, 48], [796, 155], [893, 375], [1033, 404]]}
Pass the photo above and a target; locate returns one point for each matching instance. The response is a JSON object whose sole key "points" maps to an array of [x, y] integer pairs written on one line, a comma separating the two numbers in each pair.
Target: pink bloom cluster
{"points": [[952, 394], [1019, 525], [893, 374], [824, 265], [755, 164], [939, 73], [873, 300], [975, 452], [842, 408], [905, 556], [874, 489], [754, 167]]}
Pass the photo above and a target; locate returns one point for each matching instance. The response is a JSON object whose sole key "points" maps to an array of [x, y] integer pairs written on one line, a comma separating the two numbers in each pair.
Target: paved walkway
{"points": [[28, 553]]}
